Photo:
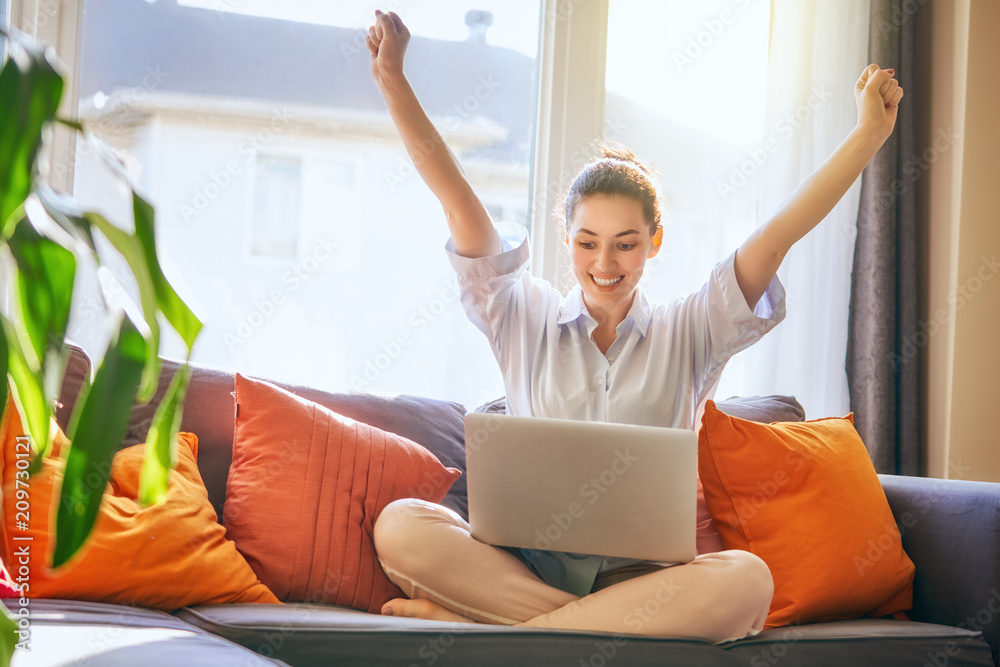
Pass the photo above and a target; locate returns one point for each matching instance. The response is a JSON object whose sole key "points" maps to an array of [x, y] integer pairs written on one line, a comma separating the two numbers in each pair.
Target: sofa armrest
{"points": [[951, 532]]}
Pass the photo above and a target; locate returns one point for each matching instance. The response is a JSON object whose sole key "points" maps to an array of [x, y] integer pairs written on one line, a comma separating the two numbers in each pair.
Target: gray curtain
{"points": [[884, 337]]}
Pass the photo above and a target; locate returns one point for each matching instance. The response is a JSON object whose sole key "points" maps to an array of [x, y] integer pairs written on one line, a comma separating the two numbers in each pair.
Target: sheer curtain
{"points": [[817, 50]]}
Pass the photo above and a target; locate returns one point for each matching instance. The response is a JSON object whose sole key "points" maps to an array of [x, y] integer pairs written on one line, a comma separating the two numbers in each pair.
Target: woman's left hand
{"points": [[877, 94]]}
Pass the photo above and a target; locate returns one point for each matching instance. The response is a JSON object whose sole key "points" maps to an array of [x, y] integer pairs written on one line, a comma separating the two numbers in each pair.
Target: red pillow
{"points": [[305, 487]]}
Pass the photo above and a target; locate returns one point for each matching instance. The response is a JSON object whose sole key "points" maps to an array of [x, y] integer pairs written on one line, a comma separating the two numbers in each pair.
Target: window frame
{"points": [[569, 116], [58, 23]]}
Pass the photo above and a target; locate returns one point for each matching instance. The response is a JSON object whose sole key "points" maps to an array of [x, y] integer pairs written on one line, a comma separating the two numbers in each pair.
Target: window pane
{"points": [[4, 21], [692, 102], [291, 214], [276, 207]]}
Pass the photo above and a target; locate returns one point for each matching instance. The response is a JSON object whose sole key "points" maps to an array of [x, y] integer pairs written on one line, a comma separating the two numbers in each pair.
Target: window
{"points": [[742, 103], [294, 220], [698, 117], [4, 20], [277, 182], [356, 292]]}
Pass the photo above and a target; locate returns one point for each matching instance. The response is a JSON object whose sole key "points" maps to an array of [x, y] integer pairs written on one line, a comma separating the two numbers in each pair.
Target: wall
{"points": [[957, 51]]}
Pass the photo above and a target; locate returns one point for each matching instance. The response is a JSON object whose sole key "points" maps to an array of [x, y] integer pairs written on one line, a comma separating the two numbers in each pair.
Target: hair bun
{"points": [[619, 152], [616, 173]]}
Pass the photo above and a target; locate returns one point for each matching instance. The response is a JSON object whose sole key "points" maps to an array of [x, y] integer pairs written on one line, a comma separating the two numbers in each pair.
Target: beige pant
{"points": [[427, 551]]}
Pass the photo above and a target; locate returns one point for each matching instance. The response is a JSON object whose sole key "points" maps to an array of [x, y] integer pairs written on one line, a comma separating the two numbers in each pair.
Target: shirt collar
{"points": [[640, 312], [572, 308]]}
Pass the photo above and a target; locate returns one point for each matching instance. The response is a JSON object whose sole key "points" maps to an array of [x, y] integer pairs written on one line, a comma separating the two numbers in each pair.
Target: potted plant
{"points": [[42, 233]]}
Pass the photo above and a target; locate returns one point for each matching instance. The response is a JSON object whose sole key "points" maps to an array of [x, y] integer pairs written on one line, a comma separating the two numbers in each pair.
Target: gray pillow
{"points": [[765, 409]]}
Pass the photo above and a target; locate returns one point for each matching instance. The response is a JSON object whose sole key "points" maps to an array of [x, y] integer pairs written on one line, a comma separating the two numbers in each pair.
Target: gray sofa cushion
{"points": [[70, 632], [766, 409], [209, 409], [951, 532], [76, 376], [306, 635]]}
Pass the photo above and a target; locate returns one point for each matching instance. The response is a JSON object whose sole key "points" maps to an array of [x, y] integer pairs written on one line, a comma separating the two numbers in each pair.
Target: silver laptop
{"points": [[585, 487]]}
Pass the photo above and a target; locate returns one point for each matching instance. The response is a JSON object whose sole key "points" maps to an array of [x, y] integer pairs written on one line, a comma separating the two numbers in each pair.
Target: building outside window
{"points": [[291, 215]]}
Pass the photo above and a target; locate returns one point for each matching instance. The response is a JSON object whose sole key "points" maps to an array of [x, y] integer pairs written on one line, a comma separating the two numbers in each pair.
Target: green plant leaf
{"points": [[4, 352], [131, 249], [28, 383], [96, 432], [181, 318], [161, 443], [45, 272], [30, 88], [111, 159], [70, 123], [64, 210], [8, 634]]}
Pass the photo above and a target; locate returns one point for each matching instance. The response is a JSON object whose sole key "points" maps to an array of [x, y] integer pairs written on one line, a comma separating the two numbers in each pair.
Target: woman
{"points": [[602, 353]]}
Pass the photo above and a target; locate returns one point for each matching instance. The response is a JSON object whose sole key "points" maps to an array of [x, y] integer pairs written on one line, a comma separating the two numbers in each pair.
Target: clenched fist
{"points": [[877, 94], [387, 41]]}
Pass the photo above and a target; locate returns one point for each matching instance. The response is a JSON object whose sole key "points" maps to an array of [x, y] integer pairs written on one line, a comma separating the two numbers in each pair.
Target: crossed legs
{"points": [[427, 551]]}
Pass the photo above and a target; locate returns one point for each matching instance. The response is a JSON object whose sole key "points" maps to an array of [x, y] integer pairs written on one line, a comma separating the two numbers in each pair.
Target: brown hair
{"points": [[617, 172]]}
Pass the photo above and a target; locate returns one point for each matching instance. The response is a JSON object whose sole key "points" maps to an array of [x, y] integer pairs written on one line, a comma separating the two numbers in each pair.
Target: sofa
{"points": [[954, 544]]}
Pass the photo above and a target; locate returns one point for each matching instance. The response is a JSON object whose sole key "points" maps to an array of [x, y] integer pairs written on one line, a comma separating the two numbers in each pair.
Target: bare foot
{"points": [[421, 609]]}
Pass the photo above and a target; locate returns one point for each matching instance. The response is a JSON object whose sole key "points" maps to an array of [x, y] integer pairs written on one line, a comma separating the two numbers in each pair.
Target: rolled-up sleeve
{"points": [[724, 324], [488, 284]]}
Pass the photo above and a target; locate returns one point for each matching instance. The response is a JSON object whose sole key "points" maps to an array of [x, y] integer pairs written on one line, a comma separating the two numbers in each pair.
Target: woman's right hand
{"points": [[387, 41]]}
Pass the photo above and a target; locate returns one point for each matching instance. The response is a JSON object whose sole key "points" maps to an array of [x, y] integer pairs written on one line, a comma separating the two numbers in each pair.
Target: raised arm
{"points": [[758, 259], [471, 228]]}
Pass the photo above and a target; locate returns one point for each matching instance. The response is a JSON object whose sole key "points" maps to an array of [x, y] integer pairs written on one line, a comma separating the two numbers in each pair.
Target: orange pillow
{"points": [[165, 556], [804, 496], [305, 488]]}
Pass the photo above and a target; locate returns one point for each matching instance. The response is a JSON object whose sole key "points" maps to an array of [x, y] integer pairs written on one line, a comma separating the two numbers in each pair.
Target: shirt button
{"points": [[600, 381], [611, 358]]}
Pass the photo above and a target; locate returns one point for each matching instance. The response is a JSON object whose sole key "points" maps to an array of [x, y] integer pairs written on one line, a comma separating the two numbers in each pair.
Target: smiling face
{"points": [[610, 241]]}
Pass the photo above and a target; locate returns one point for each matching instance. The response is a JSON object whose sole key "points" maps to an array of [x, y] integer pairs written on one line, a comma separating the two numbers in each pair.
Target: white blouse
{"points": [[663, 366]]}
